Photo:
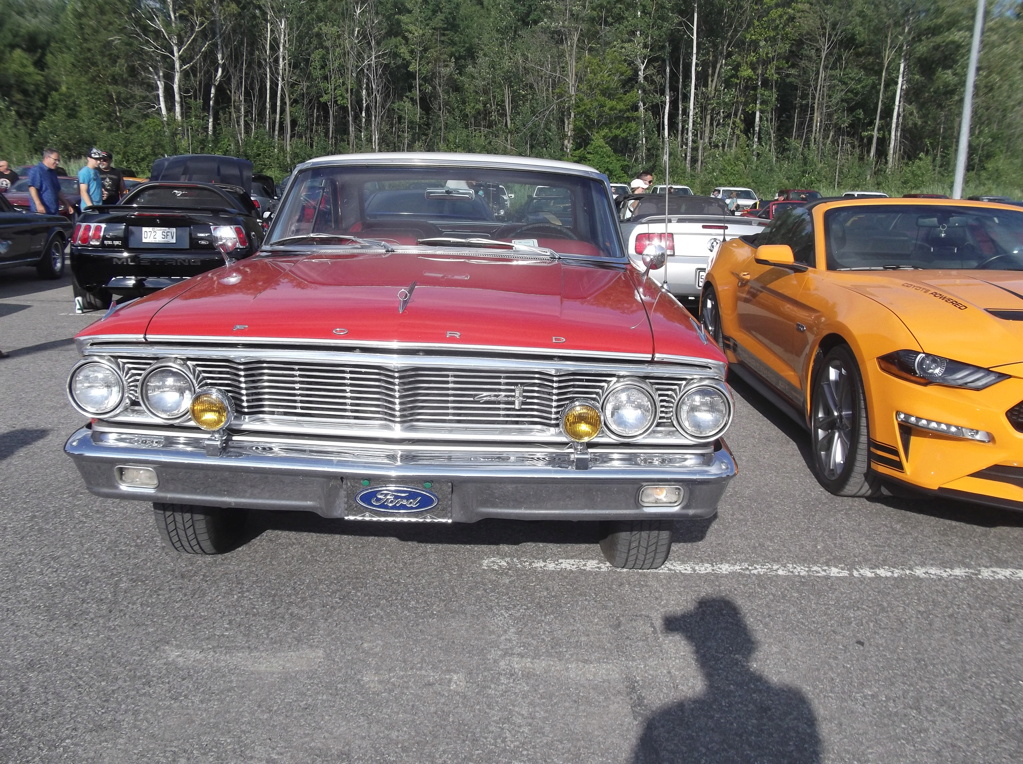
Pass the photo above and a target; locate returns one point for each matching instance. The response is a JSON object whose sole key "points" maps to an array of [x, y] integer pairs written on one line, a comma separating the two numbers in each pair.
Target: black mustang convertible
{"points": [[193, 215]]}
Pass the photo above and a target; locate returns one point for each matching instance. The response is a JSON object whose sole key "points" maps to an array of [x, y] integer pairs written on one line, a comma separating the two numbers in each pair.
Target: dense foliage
{"points": [[808, 93]]}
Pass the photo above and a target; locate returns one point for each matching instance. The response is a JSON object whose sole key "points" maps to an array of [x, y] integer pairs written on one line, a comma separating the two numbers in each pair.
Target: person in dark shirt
{"points": [[8, 177], [112, 179]]}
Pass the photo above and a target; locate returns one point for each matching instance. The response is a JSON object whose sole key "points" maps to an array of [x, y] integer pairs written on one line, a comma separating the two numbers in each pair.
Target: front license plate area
{"points": [[159, 235], [701, 274], [397, 501]]}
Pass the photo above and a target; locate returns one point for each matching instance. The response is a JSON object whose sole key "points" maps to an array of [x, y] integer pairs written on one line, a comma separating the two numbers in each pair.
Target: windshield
{"points": [[444, 206], [930, 237]]}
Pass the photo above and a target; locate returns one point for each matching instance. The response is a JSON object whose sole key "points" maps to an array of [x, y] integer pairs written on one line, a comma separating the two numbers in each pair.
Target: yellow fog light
{"points": [[211, 409], [581, 422]]}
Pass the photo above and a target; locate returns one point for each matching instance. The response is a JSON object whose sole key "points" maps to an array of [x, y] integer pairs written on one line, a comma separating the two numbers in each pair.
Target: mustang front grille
{"points": [[406, 398]]}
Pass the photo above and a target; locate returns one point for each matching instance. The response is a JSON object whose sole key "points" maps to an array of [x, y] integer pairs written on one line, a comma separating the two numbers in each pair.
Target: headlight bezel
{"points": [[910, 365], [189, 375], [111, 365], [720, 389], [617, 388]]}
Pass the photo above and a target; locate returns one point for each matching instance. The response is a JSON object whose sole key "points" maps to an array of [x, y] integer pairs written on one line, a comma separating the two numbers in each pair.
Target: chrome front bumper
{"points": [[486, 481]]}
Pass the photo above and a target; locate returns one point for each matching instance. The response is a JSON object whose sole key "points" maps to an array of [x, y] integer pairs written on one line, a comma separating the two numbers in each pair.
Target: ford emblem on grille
{"points": [[396, 498]]}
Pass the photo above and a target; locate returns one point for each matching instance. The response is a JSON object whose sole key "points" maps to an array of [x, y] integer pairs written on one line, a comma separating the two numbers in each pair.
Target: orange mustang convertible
{"points": [[892, 329]]}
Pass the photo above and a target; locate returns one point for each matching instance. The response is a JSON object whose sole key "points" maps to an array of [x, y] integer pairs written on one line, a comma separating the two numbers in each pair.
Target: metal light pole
{"points": [[964, 127]]}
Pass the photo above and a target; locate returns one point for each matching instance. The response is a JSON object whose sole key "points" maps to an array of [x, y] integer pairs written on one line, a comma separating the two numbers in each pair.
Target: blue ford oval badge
{"points": [[397, 498]]}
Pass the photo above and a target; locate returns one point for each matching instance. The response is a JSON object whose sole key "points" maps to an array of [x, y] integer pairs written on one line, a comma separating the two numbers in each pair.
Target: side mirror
{"points": [[775, 254], [654, 257]]}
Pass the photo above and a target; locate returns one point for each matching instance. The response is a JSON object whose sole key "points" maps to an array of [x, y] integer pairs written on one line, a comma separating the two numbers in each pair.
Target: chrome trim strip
{"points": [[229, 348], [327, 341]]}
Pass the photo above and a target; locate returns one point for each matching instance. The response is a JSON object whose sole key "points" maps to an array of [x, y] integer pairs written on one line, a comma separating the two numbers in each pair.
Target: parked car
{"points": [[771, 210], [32, 239], [263, 193], [19, 195], [745, 197], [864, 194], [682, 190], [689, 228], [619, 190], [890, 329], [798, 195], [164, 231], [394, 353]]}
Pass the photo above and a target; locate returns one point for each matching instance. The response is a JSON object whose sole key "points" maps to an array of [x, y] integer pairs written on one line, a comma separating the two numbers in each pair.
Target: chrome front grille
{"points": [[442, 396]]}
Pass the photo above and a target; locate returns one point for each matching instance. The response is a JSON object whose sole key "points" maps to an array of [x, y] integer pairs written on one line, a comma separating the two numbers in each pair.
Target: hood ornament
{"points": [[404, 296]]}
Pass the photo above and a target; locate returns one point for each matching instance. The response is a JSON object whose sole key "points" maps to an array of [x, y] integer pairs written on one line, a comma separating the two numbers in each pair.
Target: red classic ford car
{"points": [[399, 350]]}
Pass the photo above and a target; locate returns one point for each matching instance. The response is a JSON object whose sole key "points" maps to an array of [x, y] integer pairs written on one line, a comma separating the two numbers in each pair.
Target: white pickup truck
{"points": [[691, 228]]}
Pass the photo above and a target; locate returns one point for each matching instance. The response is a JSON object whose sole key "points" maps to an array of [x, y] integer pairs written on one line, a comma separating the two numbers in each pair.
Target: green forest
{"points": [[825, 94]]}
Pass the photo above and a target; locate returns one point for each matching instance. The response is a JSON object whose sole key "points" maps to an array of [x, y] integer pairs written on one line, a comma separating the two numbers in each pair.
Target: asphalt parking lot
{"points": [[795, 627]]}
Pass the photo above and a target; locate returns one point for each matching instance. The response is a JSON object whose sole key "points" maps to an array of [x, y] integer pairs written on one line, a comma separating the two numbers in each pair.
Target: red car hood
{"points": [[433, 299]]}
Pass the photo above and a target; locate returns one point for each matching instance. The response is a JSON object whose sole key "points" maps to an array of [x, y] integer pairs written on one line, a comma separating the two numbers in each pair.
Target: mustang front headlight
{"points": [[166, 390], [96, 388], [703, 410], [928, 369], [630, 409]]}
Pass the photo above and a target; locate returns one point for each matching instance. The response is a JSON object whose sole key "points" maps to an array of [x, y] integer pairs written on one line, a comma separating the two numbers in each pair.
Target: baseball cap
{"points": [[95, 153], [639, 183]]}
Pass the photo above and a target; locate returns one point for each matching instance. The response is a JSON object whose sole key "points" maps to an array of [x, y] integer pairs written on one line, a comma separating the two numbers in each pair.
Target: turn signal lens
{"points": [[581, 422], [211, 409]]}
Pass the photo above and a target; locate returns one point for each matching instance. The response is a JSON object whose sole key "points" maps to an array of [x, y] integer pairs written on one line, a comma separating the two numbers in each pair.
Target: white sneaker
{"points": [[79, 306]]}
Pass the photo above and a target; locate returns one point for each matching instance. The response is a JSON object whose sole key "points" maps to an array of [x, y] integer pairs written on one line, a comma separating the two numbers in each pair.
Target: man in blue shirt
{"points": [[90, 183], [44, 188]]}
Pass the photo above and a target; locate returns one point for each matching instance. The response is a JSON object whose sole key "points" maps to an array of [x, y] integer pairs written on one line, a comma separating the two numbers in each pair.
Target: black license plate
{"points": [[397, 501]]}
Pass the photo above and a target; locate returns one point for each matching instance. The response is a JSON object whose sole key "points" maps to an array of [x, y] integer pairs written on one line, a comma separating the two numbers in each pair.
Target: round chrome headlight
{"points": [[96, 388], [166, 390], [630, 409], [703, 411]]}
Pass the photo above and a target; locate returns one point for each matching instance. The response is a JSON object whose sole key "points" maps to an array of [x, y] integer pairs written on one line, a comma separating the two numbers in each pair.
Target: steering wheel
{"points": [[986, 264], [538, 229]]}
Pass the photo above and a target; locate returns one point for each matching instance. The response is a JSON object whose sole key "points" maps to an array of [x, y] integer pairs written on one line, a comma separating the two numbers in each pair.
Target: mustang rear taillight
{"points": [[645, 240], [86, 234], [228, 238]]}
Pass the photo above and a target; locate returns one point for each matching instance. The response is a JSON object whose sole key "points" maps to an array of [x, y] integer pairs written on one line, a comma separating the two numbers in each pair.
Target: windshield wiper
{"points": [[346, 238], [881, 268], [483, 243]]}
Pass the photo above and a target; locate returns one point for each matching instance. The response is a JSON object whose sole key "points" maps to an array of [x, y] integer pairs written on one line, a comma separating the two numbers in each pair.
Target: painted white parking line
{"points": [[763, 569]]}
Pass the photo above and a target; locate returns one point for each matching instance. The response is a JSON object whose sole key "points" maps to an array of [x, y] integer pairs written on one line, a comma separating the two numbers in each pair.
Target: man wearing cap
{"points": [[641, 182], [90, 184], [113, 179]]}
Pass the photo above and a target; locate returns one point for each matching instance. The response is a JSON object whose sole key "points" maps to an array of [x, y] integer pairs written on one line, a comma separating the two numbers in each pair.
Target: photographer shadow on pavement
{"points": [[741, 717]]}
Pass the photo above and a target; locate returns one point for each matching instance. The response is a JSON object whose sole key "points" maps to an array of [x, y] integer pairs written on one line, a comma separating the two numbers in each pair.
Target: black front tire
{"points": [[191, 529], [839, 431], [637, 544], [710, 315], [53, 260]]}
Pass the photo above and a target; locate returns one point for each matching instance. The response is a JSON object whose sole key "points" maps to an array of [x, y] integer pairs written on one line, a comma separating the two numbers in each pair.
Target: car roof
{"points": [[439, 159], [204, 168]]}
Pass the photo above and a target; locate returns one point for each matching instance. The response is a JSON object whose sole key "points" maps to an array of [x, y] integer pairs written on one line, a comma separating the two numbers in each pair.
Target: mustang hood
{"points": [[432, 299], [974, 316]]}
